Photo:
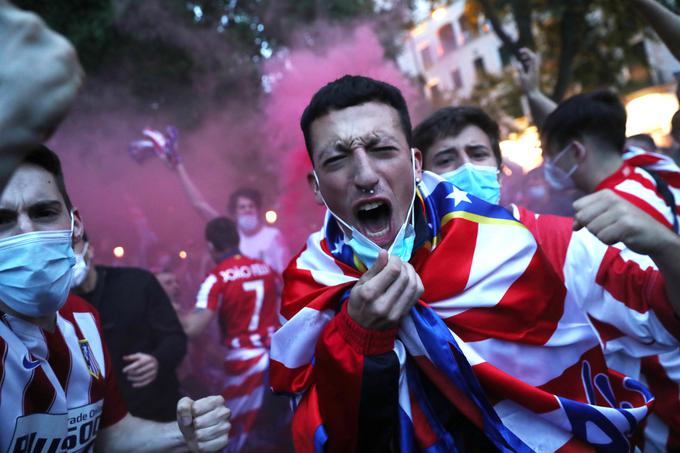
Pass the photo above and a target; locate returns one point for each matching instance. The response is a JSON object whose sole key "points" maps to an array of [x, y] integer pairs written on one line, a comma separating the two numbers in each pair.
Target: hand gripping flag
{"points": [[163, 145], [493, 335]]}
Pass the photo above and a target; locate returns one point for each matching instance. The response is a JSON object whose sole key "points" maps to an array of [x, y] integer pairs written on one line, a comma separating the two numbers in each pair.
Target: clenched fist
{"points": [[39, 78], [385, 293]]}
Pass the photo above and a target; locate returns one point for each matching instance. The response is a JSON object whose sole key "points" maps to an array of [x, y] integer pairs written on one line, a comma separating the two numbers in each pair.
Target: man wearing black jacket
{"points": [[141, 330]]}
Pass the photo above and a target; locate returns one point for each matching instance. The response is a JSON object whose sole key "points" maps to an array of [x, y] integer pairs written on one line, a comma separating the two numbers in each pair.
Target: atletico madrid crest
{"points": [[90, 361]]}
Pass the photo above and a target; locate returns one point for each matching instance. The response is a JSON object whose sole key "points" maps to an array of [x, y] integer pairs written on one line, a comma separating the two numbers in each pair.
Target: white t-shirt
{"points": [[266, 245]]}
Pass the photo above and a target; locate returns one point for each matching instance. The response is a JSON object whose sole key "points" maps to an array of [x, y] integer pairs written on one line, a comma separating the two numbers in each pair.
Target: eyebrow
{"points": [[370, 139], [449, 150], [476, 146], [45, 204], [42, 204]]}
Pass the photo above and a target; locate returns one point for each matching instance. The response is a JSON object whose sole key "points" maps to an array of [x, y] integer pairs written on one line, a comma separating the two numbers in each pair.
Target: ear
{"points": [[78, 226], [314, 186], [580, 151], [418, 157], [502, 168]]}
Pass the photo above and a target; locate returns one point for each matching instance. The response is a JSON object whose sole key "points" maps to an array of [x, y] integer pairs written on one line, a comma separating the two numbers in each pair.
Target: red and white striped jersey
{"points": [[627, 329], [57, 388], [244, 292]]}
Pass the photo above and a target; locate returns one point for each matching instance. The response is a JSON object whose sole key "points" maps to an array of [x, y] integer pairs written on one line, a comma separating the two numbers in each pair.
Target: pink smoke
{"points": [[142, 206]]}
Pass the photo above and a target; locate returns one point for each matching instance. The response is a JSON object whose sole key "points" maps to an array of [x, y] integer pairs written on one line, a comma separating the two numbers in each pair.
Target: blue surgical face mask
{"points": [[35, 271], [479, 180], [557, 178], [367, 250]]}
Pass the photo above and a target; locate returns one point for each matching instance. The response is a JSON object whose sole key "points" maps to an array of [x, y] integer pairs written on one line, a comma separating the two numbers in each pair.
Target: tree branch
{"points": [[490, 13], [568, 48], [521, 11]]}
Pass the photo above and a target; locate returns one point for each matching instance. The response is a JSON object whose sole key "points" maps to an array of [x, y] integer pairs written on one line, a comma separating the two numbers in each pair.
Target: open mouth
{"points": [[374, 218]]}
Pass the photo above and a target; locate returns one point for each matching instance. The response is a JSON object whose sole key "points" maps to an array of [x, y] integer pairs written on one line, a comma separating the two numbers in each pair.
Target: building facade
{"points": [[450, 54]]}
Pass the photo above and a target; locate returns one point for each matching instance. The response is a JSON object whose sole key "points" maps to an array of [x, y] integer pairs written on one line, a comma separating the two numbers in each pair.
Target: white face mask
{"points": [[557, 178], [247, 222], [35, 271], [366, 249], [81, 268]]}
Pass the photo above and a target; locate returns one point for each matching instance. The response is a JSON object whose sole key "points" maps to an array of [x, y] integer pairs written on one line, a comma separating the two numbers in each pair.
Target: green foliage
{"points": [[185, 52], [89, 24], [160, 66], [584, 44], [309, 10]]}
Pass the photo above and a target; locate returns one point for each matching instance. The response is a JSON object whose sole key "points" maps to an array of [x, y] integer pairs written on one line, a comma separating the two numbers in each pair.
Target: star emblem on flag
{"points": [[457, 196], [337, 248]]}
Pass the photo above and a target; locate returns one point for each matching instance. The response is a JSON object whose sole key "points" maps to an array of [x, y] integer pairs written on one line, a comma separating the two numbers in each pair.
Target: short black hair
{"points": [[244, 192], [647, 139], [221, 232], [48, 160], [675, 126], [599, 115], [349, 91], [450, 121]]}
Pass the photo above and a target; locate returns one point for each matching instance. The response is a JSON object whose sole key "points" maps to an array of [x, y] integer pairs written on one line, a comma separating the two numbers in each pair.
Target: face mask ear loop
{"points": [[318, 186], [415, 184]]}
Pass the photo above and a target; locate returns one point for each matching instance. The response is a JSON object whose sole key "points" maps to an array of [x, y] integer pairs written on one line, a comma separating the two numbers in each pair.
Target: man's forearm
{"points": [[664, 22], [139, 435], [541, 106], [195, 322], [195, 196]]}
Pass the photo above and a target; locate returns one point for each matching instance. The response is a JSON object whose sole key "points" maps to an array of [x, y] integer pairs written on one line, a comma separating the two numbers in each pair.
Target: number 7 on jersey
{"points": [[258, 287]]}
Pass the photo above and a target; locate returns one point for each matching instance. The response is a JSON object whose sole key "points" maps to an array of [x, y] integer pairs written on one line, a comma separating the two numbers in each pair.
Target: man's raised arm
{"points": [[529, 76], [198, 201], [664, 22]]}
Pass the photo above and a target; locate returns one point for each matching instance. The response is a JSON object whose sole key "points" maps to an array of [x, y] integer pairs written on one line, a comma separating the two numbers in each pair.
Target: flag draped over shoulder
{"points": [[492, 334]]}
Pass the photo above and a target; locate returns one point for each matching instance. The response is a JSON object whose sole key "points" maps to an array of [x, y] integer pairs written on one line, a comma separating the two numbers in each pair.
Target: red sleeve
{"points": [[639, 289], [353, 366]]}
